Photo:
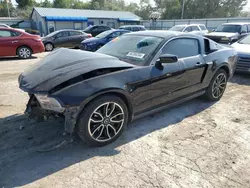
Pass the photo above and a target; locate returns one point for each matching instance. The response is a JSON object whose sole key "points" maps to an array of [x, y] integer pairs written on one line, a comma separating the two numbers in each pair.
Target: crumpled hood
{"points": [[242, 48], [222, 34], [62, 65]]}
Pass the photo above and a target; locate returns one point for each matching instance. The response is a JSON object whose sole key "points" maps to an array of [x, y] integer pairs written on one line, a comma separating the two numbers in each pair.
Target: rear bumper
{"points": [[38, 48]]}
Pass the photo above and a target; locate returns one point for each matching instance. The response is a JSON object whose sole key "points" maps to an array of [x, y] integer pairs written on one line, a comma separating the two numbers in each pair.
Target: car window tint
{"points": [[188, 29], [135, 29], [195, 28], [62, 34], [5, 33], [244, 28], [203, 27], [182, 48], [74, 33]]}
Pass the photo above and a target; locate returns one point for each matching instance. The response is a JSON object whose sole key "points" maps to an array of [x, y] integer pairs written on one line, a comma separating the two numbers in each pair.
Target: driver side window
{"points": [[244, 29], [188, 29], [62, 34], [182, 48]]}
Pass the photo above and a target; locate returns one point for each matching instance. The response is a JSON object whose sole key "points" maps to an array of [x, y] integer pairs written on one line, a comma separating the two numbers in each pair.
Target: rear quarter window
{"points": [[203, 27]]}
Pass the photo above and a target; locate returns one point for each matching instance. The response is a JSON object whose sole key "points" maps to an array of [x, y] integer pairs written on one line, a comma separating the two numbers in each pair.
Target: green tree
{"points": [[25, 3], [171, 9], [4, 8]]}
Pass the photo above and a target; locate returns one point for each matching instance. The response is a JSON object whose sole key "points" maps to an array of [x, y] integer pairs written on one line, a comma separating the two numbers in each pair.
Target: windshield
{"points": [[228, 28], [52, 34], [104, 34], [245, 40], [133, 49], [177, 28]]}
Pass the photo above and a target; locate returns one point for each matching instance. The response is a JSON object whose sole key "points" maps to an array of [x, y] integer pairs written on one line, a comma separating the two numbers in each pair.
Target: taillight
{"points": [[89, 35]]}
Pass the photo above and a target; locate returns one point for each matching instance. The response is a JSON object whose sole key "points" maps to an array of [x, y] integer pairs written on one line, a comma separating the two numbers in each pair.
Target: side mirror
{"points": [[165, 58], [213, 30], [243, 32]]}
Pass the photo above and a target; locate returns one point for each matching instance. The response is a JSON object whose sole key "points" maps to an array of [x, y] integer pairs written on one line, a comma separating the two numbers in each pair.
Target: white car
{"points": [[199, 29], [6, 26]]}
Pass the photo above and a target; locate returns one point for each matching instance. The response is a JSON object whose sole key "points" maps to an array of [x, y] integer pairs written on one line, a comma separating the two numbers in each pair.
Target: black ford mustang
{"points": [[140, 73]]}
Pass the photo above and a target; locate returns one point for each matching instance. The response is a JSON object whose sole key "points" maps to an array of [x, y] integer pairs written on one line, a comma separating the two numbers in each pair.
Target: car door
{"points": [[9, 41], [183, 77], [75, 38], [243, 31], [62, 39]]}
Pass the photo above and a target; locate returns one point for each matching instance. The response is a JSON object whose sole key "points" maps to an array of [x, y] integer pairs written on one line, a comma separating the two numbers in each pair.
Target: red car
{"points": [[17, 43]]}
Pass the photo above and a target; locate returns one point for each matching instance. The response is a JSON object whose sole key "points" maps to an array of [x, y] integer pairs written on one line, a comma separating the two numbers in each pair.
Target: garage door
{"points": [[64, 25]]}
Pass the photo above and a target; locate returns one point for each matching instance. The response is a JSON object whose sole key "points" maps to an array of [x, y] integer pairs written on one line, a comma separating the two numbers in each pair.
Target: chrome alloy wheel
{"points": [[24, 53], [106, 121], [48, 47], [219, 85]]}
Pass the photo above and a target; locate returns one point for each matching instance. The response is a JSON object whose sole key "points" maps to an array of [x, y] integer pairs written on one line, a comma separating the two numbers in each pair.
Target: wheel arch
{"points": [[117, 92], [225, 67]]}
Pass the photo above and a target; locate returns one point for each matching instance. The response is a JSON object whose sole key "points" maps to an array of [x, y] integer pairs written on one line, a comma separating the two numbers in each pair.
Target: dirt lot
{"points": [[196, 144]]}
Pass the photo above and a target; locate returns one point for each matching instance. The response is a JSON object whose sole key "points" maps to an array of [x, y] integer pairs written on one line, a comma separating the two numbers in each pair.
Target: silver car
{"points": [[243, 48], [199, 29]]}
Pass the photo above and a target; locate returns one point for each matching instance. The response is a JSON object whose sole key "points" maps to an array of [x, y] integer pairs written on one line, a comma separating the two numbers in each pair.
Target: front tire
{"points": [[24, 52], [217, 86], [102, 121]]}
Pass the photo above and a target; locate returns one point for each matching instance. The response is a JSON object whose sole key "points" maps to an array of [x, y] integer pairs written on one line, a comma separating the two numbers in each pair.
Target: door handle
{"points": [[15, 41]]}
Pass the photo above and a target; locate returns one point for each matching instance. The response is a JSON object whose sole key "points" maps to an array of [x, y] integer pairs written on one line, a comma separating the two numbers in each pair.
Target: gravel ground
{"points": [[196, 144]]}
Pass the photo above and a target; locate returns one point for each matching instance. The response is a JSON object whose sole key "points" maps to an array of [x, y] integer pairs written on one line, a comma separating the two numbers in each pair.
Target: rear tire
{"points": [[217, 86], [24, 52], [49, 47], [102, 121]]}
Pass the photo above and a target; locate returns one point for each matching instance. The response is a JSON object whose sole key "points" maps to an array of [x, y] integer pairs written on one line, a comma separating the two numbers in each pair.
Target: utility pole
{"points": [[182, 9], [8, 8]]}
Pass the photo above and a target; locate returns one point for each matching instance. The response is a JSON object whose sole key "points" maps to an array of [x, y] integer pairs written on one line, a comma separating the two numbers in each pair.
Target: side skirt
{"points": [[169, 105]]}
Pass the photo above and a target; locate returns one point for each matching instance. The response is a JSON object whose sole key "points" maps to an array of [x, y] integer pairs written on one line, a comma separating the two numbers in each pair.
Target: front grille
{"points": [[214, 38], [243, 64]]}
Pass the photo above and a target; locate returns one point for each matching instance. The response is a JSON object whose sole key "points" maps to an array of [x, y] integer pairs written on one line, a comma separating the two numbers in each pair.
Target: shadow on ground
{"points": [[241, 79], [21, 164], [14, 58]]}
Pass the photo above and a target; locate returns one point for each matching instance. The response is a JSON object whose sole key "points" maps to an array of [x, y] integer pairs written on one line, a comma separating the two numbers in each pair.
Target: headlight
{"points": [[49, 103]]}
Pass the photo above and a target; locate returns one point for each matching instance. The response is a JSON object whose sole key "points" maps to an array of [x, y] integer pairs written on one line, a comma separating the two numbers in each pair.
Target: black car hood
{"points": [[62, 65]]}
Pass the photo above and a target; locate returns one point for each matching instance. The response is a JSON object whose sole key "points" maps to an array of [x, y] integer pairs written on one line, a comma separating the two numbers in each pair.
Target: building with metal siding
{"points": [[52, 19]]}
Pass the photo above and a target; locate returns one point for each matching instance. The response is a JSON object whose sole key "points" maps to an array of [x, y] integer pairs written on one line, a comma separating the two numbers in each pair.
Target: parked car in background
{"points": [[243, 48], [94, 43], [137, 75], [199, 29], [64, 38], [96, 29], [14, 42], [229, 33], [6, 26], [133, 27]]}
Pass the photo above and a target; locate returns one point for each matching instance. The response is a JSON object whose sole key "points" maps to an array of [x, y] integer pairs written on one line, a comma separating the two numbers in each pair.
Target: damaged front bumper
{"points": [[44, 106]]}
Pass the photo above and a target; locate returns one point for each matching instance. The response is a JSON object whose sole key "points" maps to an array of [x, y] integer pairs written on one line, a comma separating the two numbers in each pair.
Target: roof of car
{"points": [[189, 24], [132, 26], [236, 23], [162, 33]]}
